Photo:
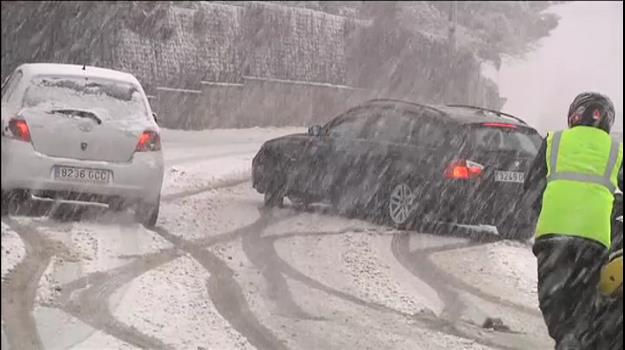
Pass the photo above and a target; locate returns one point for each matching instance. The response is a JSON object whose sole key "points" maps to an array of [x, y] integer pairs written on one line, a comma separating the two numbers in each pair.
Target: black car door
{"points": [[387, 144], [341, 145]]}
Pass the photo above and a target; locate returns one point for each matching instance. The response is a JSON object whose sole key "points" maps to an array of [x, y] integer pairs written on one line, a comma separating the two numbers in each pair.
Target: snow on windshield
{"points": [[108, 99]]}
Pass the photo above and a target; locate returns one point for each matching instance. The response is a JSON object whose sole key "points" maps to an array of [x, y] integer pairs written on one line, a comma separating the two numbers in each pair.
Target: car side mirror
{"points": [[155, 116], [315, 131]]}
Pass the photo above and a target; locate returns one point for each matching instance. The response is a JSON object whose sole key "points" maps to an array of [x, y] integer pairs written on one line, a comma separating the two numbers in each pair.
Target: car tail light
{"points": [[149, 141], [19, 130], [500, 125], [464, 170]]}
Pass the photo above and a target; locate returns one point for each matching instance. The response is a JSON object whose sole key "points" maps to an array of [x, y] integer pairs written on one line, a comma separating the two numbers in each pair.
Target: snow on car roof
{"points": [[34, 69]]}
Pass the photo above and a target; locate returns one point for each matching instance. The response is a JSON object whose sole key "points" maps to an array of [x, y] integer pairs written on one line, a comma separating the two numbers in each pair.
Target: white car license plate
{"points": [[509, 176], [98, 176]]}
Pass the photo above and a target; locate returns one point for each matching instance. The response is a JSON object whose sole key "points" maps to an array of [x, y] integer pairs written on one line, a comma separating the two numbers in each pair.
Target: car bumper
{"points": [[260, 178], [23, 168], [481, 205]]}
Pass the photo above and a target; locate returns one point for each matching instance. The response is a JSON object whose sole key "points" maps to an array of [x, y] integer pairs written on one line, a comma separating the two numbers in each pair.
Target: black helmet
{"points": [[592, 109]]}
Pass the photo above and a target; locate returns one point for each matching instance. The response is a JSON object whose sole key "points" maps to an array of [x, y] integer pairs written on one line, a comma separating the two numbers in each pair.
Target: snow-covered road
{"points": [[220, 272]]}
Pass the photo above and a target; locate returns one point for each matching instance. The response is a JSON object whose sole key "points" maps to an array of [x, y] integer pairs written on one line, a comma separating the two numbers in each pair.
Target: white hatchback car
{"points": [[82, 135]]}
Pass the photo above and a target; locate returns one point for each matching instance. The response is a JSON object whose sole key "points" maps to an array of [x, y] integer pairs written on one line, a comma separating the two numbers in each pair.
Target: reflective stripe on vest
{"points": [[605, 180]]}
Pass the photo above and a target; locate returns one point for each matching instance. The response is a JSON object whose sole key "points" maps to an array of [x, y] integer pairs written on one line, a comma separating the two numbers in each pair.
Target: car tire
{"points": [[392, 205], [276, 189], [399, 205], [300, 202], [15, 202], [274, 198], [4, 205], [147, 213]]}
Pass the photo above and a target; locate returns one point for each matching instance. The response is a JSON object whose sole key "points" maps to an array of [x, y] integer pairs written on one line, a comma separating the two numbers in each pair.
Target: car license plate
{"points": [[509, 176], [98, 176]]}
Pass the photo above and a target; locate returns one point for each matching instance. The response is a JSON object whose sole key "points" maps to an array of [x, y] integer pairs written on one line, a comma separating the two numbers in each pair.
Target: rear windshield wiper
{"points": [[80, 114]]}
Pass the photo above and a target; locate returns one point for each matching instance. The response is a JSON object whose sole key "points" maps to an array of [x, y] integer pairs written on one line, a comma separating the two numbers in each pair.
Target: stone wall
{"points": [[293, 43], [204, 44], [219, 65]]}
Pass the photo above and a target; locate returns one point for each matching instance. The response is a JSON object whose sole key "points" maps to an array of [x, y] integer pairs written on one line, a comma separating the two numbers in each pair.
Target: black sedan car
{"points": [[406, 164]]}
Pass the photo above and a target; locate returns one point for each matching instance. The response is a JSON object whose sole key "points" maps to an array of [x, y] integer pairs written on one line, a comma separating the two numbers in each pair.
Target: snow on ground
{"points": [[504, 269], [211, 213], [330, 322], [105, 245], [49, 287], [103, 341], [205, 173], [374, 276], [171, 303], [13, 250], [368, 296], [356, 261], [222, 137], [517, 263], [214, 155]]}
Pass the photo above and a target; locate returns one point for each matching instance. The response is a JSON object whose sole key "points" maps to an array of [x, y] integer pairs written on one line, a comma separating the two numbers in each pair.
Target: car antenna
{"points": [[84, 67]]}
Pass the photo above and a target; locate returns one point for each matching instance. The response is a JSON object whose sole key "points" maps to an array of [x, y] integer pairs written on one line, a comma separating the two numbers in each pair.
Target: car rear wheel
{"points": [[16, 202], [400, 205], [147, 213], [394, 204]]}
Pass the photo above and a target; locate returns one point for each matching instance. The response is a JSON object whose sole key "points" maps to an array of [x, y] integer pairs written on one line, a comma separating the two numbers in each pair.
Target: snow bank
{"points": [[13, 250]]}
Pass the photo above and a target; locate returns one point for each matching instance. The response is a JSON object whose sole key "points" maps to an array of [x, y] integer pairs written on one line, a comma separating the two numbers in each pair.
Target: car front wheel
{"points": [[276, 188]]}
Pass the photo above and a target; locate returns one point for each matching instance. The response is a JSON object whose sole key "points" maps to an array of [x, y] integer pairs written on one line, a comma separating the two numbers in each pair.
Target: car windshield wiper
{"points": [[78, 113]]}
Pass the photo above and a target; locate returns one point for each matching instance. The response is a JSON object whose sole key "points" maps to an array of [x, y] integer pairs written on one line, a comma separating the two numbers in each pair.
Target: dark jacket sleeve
{"points": [[536, 179]]}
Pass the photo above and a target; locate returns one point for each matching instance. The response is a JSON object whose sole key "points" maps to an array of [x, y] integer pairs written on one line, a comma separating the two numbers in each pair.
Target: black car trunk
{"points": [[506, 152]]}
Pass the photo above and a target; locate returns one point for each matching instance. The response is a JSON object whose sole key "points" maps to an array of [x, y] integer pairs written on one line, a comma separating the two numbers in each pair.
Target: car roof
{"points": [[458, 114], [35, 69], [471, 114]]}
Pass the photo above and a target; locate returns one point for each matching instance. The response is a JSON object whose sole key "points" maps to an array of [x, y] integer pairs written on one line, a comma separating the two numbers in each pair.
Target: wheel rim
{"points": [[400, 203]]}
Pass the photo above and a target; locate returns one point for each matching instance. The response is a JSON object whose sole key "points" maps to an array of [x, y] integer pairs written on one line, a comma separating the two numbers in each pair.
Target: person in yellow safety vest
{"points": [[576, 173]]}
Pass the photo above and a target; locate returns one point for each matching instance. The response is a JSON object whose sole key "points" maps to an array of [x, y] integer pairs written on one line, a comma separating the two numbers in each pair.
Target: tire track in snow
{"points": [[91, 306], [87, 298], [262, 254], [448, 286], [225, 293], [19, 289], [425, 321]]}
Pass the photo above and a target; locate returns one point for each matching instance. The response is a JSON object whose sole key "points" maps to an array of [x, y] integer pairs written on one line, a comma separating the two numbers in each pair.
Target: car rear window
{"points": [[505, 139], [109, 99]]}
